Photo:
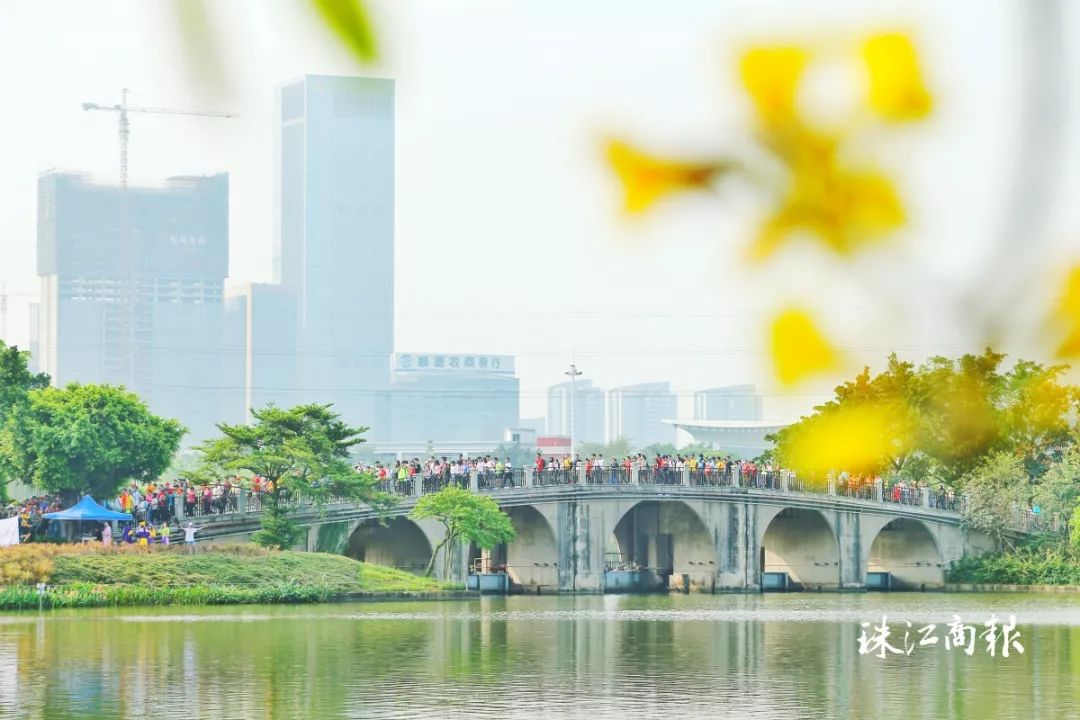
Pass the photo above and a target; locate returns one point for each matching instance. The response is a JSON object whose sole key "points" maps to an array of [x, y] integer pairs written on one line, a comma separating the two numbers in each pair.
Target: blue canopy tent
{"points": [[87, 509]]}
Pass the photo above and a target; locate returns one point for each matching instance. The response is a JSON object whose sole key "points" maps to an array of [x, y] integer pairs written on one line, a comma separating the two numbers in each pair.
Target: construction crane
{"points": [[125, 125], [133, 358]]}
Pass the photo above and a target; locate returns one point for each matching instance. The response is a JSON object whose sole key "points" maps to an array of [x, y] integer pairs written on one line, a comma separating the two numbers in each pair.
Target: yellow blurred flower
{"points": [[647, 179], [1067, 313], [798, 348], [857, 439], [842, 208], [896, 89], [771, 76]]}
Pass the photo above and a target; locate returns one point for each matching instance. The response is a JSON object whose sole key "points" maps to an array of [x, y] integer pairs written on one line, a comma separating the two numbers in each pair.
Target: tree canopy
{"points": [[16, 382], [941, 419], [86, 439], [619, 447], [304, 451], [473, 518], [995, 492]]}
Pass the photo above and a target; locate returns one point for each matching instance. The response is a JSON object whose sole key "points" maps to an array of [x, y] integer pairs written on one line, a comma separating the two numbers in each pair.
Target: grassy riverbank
{"points": [[92, 576]]}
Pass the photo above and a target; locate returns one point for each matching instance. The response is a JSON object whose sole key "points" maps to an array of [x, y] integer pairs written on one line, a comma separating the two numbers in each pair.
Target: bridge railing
{"points": [[614, 475], [904, 495], [241, 500], [502, 480], [710, 477], [659, 476], [762, 480], [555, 476], [855, 489], [801, 484]]}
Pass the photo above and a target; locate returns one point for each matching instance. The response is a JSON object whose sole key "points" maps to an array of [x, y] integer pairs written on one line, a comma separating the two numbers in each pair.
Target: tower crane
{"points": [[133, 357], [125, 125]]}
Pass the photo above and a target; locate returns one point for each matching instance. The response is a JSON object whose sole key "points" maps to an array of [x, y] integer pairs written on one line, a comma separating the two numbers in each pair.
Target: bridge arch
{"points": [[397, 542], [532, 557], [907, 549], [802, 543], [669, 541]]}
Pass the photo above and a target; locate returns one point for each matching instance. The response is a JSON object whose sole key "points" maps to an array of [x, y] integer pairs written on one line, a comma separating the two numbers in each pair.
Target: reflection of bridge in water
{"points": [[681, 530]]}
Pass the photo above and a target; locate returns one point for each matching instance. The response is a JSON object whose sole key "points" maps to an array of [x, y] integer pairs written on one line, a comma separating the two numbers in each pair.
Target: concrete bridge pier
{"points": [[732, 527], [852, 569], [581, 525]]}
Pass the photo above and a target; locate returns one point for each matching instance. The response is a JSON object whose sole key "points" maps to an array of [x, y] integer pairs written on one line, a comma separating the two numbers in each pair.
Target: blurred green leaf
{"points": [[202, 47], [349, 21]]}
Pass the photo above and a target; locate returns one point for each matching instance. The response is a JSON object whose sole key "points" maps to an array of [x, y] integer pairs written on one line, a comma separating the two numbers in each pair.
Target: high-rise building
{"points": [[440, 398], [588, 411], [334, 249], [637, 413], [132, 284], [270, 343], [731, 402]]}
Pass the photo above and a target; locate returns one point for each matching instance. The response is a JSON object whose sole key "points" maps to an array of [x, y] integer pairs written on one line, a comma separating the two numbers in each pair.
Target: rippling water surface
{"points": [[725, 656]]}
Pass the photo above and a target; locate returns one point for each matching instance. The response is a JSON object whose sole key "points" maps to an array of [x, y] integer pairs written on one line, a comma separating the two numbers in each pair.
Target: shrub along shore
{"points": [[1041, 561], [95, 576]]}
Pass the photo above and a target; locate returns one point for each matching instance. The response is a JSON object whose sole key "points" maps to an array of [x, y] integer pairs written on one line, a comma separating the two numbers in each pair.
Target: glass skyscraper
{"points": [[334, 250]]}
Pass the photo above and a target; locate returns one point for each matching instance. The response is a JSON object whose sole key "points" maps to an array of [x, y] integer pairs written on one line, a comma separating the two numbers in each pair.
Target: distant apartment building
{"points": [[447, 399], [731, 402], [588, 411], [334, 249], [132, 293], [637, 413]]}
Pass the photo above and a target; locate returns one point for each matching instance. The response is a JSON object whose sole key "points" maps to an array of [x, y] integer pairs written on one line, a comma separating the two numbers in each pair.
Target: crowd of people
{"points": [[495, 472], [155, 506], [30, 511], [146, 534], [661, 469], [905, 492], [157, 501], [437, 473]]}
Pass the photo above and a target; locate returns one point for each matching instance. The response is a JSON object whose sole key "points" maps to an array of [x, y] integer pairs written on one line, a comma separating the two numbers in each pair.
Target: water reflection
{"points": [[594, 657]]}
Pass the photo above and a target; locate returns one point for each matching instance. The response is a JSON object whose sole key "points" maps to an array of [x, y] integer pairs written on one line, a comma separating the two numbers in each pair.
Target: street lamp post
{"points": [[573, 372]]}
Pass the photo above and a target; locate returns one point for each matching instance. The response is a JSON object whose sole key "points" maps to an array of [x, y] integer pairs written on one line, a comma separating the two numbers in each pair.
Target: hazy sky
{"points": [[509, 238]]}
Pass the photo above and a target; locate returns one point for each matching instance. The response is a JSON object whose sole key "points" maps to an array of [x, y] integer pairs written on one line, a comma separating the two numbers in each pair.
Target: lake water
{"points": [[724, 656]]}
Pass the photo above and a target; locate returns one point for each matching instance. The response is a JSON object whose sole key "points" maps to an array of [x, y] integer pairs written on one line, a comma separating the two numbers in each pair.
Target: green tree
{"points": [[658, 449], [1037, 413], [1058, 490], [995, 492], [893, 394], [1074, 528], [943, 419], [617, 448], [303, 451], [464, 516], [87, 439], [16, 382]]}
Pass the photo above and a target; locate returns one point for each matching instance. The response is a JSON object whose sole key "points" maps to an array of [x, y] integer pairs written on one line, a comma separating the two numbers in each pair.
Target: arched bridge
{"points": [[681, 530]]}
